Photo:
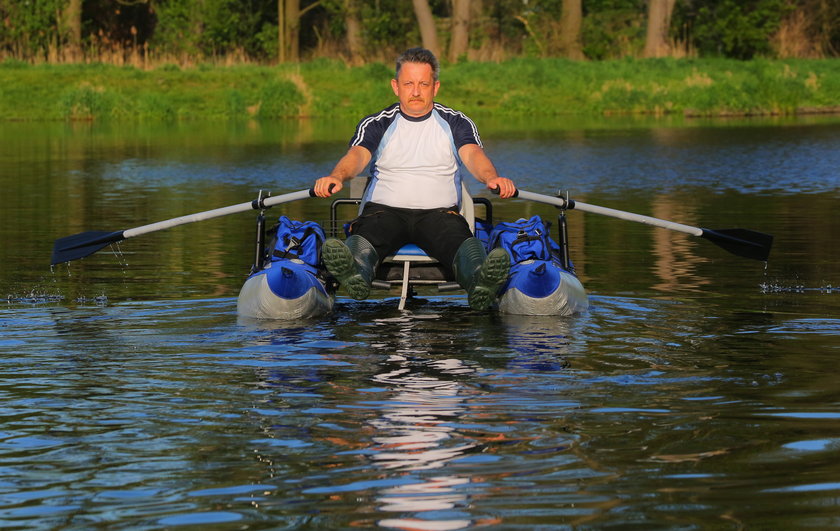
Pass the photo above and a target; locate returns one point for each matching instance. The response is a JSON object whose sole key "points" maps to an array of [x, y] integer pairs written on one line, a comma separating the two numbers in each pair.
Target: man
{"points": [[415, 149]]}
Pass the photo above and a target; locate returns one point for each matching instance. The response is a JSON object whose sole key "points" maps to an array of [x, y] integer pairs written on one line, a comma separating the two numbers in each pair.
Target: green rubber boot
{"points": [[352, 263], [480, 273]]}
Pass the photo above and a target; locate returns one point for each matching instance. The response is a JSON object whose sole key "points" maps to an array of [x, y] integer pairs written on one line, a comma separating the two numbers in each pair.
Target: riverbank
{"points": [[325, 88]]}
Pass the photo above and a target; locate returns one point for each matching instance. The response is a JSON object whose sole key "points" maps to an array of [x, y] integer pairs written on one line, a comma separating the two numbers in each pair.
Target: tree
{"points": [[353, 26], [288, 27], [376, 30], [810, 29], [289, 14], [658, 24], [426, 22], [70, 31], [460, 32], [739, 29], [571, 20]]}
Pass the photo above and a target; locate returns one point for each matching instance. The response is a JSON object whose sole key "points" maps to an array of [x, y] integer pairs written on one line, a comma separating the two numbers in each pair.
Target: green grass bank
{"points": [[516, 88]]}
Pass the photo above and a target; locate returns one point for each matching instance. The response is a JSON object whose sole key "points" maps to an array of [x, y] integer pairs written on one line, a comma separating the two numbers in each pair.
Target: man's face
{"points": [[415, 88]]}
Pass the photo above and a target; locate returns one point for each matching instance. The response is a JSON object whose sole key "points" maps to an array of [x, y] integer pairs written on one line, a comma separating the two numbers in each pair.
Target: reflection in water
{"points": [[675, 253], [415, 431], [434, 425], [417, 416], [413, 439], [436, 494]]}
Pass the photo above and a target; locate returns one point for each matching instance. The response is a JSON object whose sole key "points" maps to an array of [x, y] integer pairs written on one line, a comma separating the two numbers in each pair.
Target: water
{"points": [[699, 391]]}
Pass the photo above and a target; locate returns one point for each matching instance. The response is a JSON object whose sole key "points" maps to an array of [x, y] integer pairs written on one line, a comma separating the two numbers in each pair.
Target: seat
{"points": [[411, 266], [412, 255]]}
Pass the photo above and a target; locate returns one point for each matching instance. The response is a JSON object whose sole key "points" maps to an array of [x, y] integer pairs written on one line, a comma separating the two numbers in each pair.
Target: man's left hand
{"points": [[505, 186]]}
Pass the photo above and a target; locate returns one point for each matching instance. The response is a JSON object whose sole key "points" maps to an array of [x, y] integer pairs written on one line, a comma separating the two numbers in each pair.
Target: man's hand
{"points": [[505, 186], [327, 186]]}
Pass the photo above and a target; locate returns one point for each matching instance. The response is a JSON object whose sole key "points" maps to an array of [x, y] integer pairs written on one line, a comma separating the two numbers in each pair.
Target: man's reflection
{"points": [[417, 431], [418, 418]]}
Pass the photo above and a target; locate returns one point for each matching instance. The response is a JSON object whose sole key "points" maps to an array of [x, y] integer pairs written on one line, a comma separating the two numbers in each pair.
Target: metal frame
{"points": [[405, 281]]}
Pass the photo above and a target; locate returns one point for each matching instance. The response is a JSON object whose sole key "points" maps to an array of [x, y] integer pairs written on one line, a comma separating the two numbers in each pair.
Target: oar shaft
{"points": [[629, 216], [215, 213]]}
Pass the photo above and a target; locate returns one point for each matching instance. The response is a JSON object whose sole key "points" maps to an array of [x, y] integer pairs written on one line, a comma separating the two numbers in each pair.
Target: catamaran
{"points": [[288, 281]]}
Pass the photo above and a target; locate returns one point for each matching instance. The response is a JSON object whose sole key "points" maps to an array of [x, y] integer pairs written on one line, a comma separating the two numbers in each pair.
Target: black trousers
{"points": [[438, 231]]}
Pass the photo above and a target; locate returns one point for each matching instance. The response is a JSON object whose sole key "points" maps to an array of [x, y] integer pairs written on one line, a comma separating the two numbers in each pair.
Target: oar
{"points": [[86, 243], [741, 242]]}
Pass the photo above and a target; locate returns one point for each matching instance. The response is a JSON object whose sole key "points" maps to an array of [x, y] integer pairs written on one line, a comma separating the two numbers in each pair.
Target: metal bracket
{"points": [[260, 252], [563, 232], [259, 202]]}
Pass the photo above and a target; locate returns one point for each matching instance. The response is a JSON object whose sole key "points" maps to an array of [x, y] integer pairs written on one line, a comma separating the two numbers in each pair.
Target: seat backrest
{"points": [[358, 185], [467, 206]]}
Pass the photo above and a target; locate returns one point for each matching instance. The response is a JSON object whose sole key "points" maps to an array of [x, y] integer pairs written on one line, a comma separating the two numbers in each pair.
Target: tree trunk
{"points": [[197, 13], [281, 31], [460, 39], [570, 24], [354, 31], [658, 24], [292, 20], [288, 31], [71, 29], [428, 31]]}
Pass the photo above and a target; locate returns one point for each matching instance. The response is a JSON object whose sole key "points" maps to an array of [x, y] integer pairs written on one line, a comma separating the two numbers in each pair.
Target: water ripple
{"points": [[178, 413]]}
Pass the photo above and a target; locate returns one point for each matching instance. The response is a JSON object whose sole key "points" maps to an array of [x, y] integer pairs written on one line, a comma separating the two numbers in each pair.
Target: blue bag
{"points": [[524, 239], [298, 240], [483, 228]]}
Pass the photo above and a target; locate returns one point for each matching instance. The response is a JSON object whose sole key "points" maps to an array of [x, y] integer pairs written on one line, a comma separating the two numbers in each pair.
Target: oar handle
{"points": [[497, 191], [285, 198], [556, 201]]}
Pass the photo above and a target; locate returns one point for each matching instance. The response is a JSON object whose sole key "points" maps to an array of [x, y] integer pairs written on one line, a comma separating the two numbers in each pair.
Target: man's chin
{"points": [[417, 108]]}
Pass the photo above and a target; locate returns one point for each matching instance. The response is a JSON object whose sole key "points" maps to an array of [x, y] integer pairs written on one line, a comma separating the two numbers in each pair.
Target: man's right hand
{"points": [[327, 186]]}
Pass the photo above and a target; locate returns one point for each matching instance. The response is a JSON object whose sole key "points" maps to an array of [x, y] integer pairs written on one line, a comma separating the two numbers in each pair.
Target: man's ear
{"points": [[395, 87]]}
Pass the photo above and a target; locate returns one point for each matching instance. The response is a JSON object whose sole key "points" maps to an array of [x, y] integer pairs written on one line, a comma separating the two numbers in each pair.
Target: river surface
{"points": [[700, 390]]}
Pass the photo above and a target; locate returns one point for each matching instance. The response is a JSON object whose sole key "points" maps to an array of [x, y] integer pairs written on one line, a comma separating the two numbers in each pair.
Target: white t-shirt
{"points": [[414, 161]]}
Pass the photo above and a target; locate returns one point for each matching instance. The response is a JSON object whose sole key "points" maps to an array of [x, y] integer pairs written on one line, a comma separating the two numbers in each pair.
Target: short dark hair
{"points": [[418, 55]]}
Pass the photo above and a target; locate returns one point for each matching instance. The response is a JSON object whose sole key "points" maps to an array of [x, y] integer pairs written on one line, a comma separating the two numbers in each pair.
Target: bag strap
{"points": [[523, 237], [295, 243]]}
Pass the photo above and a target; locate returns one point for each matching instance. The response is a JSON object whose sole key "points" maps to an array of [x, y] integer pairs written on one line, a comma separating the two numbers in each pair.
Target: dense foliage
{"points": [[172, 30]]}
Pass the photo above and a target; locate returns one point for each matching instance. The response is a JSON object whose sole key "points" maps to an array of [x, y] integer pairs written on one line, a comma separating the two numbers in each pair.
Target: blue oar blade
{"points": [[83, 244], [741, 242]]}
